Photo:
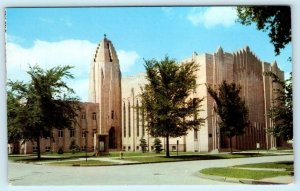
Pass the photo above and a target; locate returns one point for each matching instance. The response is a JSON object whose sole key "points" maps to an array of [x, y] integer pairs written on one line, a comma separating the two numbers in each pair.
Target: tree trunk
{"points": [[230, 144], [167, 149], [16, 147], [38, 147]]}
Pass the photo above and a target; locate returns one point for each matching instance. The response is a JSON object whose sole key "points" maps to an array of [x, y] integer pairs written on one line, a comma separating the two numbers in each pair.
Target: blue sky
{"points": [[56, 36]]}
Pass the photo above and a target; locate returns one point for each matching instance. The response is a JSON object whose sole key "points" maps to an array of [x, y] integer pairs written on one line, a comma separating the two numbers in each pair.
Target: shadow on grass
{"points": [[33, 158], [286, 163], [218, 156], [145, 158]]}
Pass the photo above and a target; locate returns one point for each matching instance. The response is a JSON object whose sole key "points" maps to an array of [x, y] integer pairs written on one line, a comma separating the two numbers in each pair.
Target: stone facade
{"points": [[241, 67], [105, 89], [113, 116], [83, 132]]}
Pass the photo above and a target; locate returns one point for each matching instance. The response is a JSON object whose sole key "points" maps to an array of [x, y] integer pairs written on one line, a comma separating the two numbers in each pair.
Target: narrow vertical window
{"points": [[129, 130], [82, 115], [72, 133], [137, 119], [94, 116], [124, 117], [60, 133], [196, 134], [102, 77], [112, 114], [143, 122], [83, 133]]}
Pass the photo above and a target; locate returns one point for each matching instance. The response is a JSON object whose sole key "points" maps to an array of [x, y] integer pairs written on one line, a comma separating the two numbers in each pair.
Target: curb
{"points": [[237, 180]]}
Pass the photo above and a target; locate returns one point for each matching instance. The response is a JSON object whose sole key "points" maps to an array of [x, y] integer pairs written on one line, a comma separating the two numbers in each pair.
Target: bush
{"points": [[157, 145], [143, 144], [60, 150]]}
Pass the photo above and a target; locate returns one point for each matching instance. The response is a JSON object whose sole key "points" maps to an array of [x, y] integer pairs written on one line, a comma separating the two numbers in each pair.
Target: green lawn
{"points": [[288, 165], [235, 172], [130, 154], [82, 163], [151, 159], [241, 173], [47, 157], [147, 157], [187, 157]]}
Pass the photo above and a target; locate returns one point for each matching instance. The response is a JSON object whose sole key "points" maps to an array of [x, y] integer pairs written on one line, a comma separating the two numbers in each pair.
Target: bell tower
{"points": [[105, 89]]}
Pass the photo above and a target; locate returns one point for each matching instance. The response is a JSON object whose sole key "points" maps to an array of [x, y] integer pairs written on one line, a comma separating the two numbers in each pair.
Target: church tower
{"points": [[105, 89]]}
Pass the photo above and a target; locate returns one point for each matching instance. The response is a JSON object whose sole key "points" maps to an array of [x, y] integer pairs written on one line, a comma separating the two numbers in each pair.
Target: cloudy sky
{"points": [[68, 36]]}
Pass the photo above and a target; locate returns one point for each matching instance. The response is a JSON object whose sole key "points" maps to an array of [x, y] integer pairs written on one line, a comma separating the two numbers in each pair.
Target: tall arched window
{"points": [[137, 119], [102, 77], [124, 119], [129, 130]]}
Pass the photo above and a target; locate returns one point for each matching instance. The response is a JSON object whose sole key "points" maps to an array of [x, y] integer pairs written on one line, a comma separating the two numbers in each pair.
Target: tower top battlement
{"points": [[105, 52]]}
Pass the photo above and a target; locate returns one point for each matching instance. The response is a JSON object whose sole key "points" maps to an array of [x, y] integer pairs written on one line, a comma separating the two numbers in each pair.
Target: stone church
{"points": [[242, 67], [113, 120]]}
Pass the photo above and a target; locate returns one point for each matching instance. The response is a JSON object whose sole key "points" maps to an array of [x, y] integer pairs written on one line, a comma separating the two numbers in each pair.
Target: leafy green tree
{"points": [[281, 111], [14, 132], [231, 109], [168, 107], [44, 103], [276, 20], [143, 145], [157, 145]]}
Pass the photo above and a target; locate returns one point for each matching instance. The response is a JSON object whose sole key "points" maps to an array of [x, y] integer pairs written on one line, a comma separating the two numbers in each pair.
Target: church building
{"points": [[242, 67], [114, 120]]}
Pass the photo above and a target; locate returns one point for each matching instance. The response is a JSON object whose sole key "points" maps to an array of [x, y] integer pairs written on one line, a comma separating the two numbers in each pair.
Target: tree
{"points": [[168, 107], [281, 111], [231, 109], [274, 19], [14, 133], [157, 145], [143, 144], [44, 103]]}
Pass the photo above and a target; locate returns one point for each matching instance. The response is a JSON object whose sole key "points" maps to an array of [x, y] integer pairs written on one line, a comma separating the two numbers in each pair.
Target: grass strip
{"points": [[138, 156], [242, 173], [190, 157], [82, 163], [288, 165]]}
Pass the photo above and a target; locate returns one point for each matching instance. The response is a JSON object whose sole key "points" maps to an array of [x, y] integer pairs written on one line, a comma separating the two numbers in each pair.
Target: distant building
{"points": [[113, 120]]}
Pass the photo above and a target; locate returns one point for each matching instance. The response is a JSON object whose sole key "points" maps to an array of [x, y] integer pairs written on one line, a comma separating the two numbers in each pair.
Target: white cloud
{"points": [[81, 87], [77, 53], [14, 39], [127, 59], [213, 16]]}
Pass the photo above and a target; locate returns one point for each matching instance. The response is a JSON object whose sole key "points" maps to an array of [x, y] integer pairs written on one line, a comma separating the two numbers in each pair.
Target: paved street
{"points": [[172, 173]]}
